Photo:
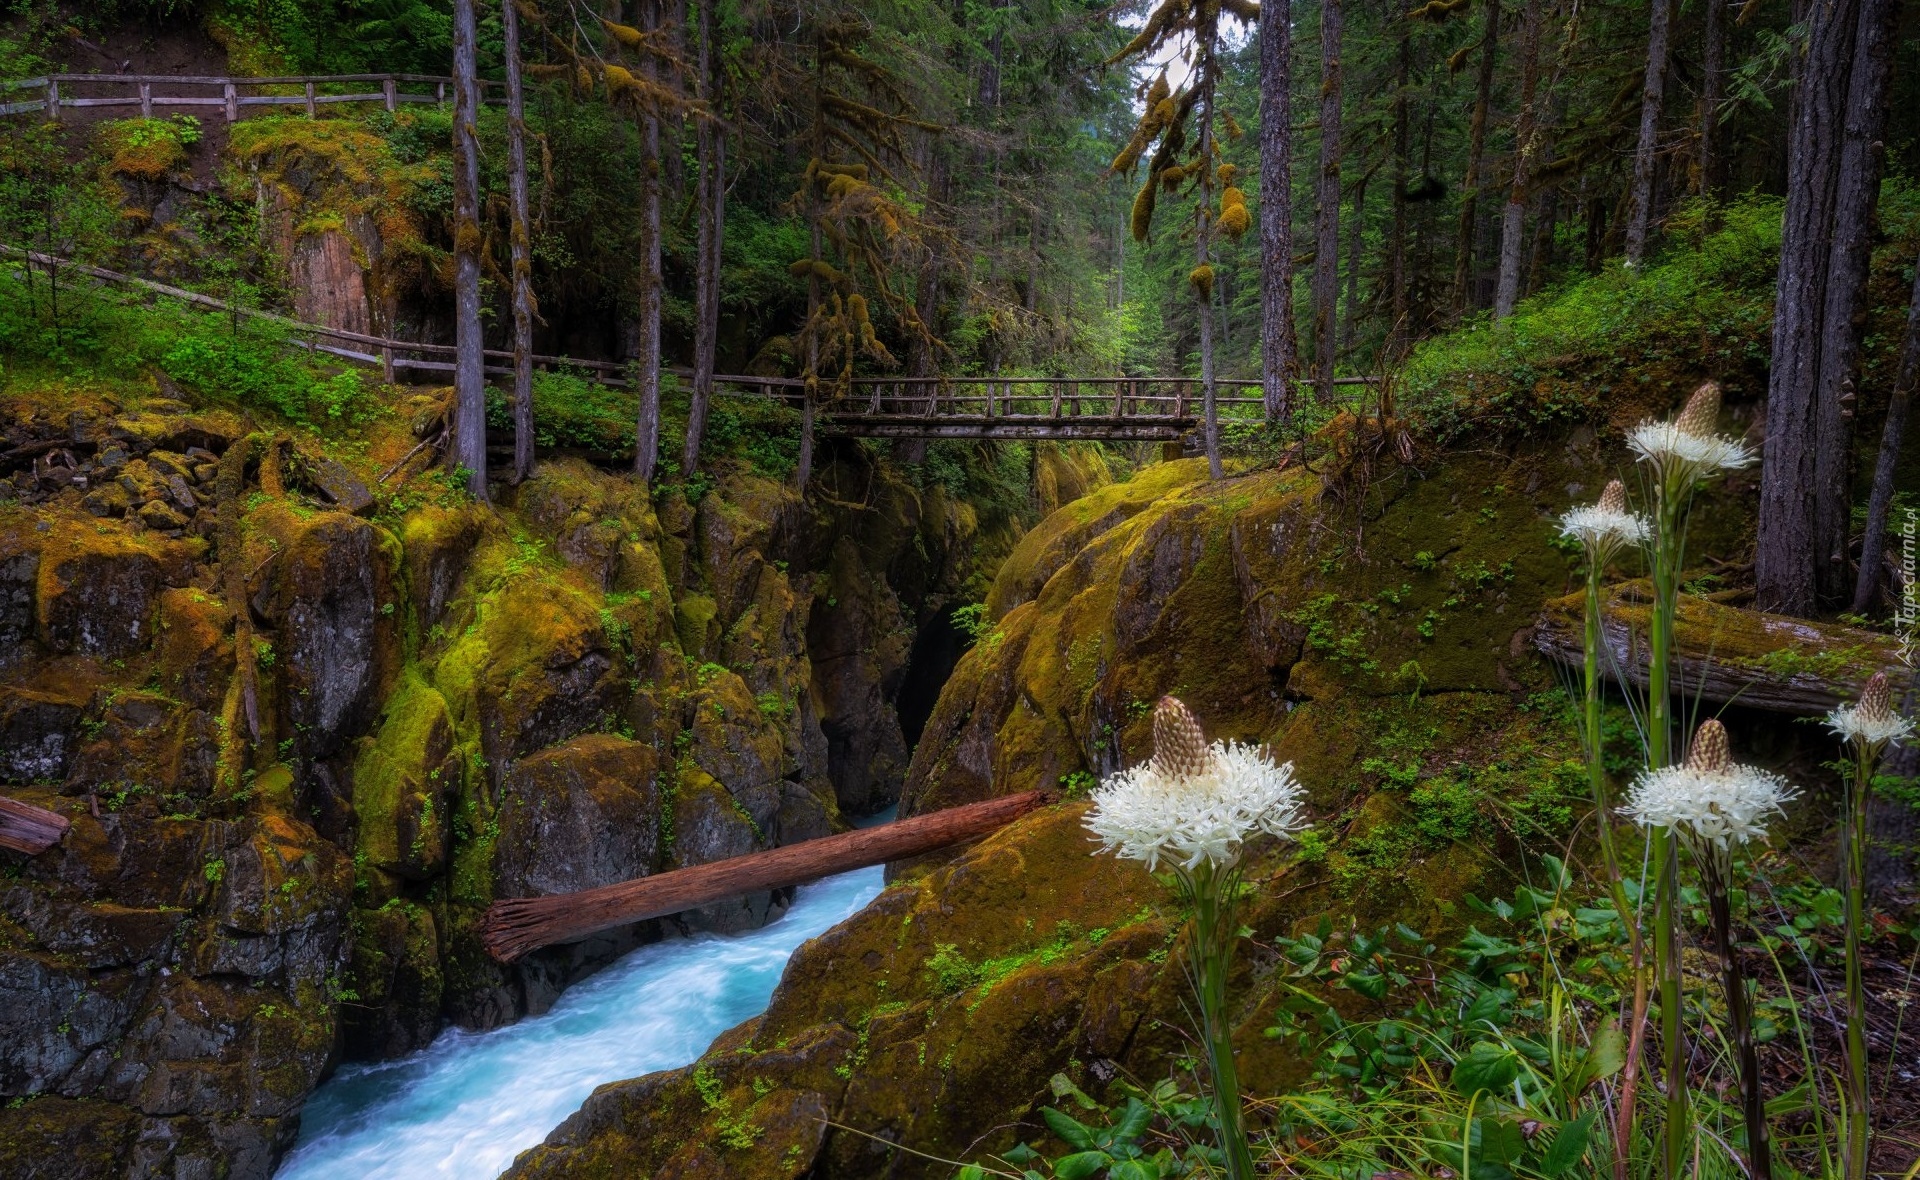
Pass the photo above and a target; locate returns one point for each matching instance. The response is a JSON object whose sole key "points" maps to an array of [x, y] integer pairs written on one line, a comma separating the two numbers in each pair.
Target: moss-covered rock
{"points": [[1375, 633], [302, 748]]}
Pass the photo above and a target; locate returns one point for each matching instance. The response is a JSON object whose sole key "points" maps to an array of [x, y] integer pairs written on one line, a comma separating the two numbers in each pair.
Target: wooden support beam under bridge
{"points": [[1142, 428]]}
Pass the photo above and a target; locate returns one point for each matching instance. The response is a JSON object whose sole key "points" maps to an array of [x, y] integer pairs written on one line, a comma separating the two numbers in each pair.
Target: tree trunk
{"points": [[1205, 38], [1463, 298], [646, 451], [515, 926], [468, 449], [710, 192], [1834, 161], [1653, 93], [1880, 499], [1712, 87], [1545, 220], [1356, 226], [1326, 261], [1397, 331], [522, 249], [1279, 348], [1513, 217]]}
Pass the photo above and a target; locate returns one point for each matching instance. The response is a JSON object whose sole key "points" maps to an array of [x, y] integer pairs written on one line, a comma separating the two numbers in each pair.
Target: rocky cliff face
{"points": [[1371, 625], [303, 747]]}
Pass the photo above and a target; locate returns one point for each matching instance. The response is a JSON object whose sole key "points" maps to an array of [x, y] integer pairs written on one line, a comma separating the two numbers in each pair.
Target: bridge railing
{"points": [[54, 93], [1172, 398]]}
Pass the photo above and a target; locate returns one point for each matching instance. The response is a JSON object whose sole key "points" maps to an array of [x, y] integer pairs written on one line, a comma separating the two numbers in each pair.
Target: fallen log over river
{"points": [[515, 926], [1724, 653]]}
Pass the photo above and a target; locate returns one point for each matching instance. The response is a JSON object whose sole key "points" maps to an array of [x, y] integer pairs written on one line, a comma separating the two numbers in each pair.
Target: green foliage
{"points": [[973, 621], [1559, 355], [254, 368]]}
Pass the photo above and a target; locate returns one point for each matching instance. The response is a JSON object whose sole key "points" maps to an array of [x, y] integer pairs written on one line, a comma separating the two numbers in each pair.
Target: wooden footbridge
{"points": [[1066, 408]]}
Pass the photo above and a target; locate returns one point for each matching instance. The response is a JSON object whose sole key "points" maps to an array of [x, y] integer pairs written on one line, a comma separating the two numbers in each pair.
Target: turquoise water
{"points": [[467, 1104]]}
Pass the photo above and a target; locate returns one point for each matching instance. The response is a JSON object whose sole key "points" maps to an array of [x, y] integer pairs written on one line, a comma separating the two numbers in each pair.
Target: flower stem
{"points": [[1668, 543], [1215, 930], [1740, 1016], [1596, 769], [1859, 1119], [1610, 859]]}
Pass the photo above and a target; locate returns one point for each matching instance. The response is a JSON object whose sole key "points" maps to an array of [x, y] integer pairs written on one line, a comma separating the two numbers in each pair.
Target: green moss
{"points": [[693, 620]]}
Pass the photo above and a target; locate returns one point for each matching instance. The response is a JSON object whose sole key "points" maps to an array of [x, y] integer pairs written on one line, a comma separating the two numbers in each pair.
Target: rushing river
{"points": [[467, 1104]]}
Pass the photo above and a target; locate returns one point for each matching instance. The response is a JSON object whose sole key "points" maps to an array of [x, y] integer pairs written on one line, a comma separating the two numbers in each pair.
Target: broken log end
{"points": [[29, 829]]}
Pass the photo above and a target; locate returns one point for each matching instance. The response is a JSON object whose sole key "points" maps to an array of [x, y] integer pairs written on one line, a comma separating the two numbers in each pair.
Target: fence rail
{"points": [[316, 90], [1119, 408]]}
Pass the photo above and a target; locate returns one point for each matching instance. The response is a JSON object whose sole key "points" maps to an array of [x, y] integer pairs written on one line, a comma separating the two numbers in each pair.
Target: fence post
{"points": [[232, 94], [440, 92], [53, 100], [387, 92], [146, 100], [1120, 398], [386, 364], [1056, 400], [310, 111]]}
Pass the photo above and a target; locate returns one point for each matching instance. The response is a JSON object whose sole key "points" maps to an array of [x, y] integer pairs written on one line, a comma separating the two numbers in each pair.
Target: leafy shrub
{"points": [[252, 366]]}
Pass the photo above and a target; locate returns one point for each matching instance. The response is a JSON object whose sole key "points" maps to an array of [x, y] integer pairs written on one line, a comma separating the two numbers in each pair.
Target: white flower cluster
{"points": [[1602, 529], [1149, 815], [1871, 720], [1854, 723], [1711, 808], [1663, 443]]}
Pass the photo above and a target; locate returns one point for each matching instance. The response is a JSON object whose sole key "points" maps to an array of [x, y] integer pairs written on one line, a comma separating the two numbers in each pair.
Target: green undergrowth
{"points": [[1560, 354], [106, 335]]}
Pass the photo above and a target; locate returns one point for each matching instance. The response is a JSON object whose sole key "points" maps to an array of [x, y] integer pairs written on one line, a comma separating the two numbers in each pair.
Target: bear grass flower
{"points": [[1871, 721], [1195, 806], [1686, 450], [1711, 802], [1606, 527], [1194, 803]]}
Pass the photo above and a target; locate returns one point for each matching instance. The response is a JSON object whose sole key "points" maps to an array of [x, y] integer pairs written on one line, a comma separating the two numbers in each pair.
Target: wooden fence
{"points": [[152, 92]]}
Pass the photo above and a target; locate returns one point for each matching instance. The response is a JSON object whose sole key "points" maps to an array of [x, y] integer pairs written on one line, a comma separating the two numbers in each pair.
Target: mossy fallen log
{"points": [[1724, 653], [29, 829], [515, 926]]}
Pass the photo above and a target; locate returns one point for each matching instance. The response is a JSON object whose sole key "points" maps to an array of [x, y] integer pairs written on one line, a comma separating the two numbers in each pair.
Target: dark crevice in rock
{"points": [[936, 651]]}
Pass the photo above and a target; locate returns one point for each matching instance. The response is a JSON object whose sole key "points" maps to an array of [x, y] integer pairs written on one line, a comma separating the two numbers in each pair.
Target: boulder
{"points": [[579, 815], [19, 577], [404, 784], [38, 734], [395, 970], [535, 667], [96, 589], [322, 594], [709, 824], [437, 543]]}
